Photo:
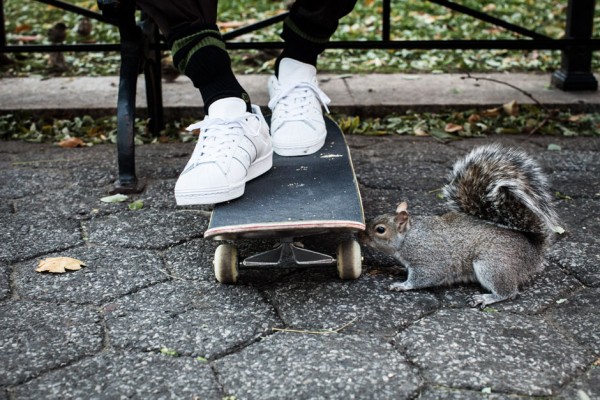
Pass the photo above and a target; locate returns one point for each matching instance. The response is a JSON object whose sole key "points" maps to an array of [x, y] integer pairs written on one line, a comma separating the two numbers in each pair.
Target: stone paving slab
{"points": [[313, 301], [146, 319], [316, 367], [24, 236], [39, 337], [156, 230], [115, 374], [588, 386], [507, 353], [108, 275], [585, 331], [192, 319]]}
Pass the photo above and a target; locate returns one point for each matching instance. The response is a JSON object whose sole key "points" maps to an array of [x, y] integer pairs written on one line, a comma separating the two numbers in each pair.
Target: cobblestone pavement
{"points": [[146, 319]]}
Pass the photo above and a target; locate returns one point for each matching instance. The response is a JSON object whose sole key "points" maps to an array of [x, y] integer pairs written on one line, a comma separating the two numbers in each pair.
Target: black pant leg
{"points": [[197, 46], [318, 19], [309, 27], [176, 15]]}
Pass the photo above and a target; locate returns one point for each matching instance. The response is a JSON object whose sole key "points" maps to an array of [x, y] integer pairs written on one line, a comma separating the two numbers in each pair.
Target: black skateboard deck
{"points": [[299, 196]]}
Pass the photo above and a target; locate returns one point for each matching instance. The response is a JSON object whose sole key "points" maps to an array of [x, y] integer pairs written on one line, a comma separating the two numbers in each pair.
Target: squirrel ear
{"points": [[402, 207], [402, 218]]}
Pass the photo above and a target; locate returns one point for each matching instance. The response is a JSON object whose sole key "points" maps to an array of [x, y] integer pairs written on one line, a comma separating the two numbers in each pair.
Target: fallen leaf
{"points": [[169, 352], [22, 28], [554, 147], [59, 265], [474, 118], [563, 196], [491, 112], [116, 198], [71, 142], [419, 130], [442, 136], [576, 118], [511, 108], [136, 205], [507, 131], [451, 128]]}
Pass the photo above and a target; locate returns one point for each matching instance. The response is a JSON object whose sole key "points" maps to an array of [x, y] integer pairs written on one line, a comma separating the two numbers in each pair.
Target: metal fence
{"points": [[576, 46]]}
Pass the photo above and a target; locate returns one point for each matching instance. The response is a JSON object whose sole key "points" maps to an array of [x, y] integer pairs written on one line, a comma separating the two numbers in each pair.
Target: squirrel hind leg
{"points": [[483, 300], [501, 280]]}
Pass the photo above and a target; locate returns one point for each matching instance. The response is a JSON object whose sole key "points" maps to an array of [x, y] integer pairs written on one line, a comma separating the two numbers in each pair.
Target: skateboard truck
{"points": [[288, 254]]}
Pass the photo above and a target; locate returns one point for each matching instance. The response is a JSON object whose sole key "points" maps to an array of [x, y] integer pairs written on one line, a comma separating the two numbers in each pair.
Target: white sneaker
{"points": [[297, 124], [230, 151]]}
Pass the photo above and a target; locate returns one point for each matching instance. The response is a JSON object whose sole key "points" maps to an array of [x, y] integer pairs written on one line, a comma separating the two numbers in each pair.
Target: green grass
{"points": [[411, 20]]}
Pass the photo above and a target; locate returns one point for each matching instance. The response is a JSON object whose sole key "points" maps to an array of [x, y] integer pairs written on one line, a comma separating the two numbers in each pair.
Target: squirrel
{"points": [[500, 223]]}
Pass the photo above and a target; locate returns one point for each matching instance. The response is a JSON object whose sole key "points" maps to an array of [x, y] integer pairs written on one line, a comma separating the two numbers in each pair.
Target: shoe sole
{"points": [[299, 151], [223, 194]]}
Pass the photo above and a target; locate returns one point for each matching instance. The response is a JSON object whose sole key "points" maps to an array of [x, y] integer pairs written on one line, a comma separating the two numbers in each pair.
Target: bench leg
{"points": [[130, 65], [576, 65], [152, 75]]}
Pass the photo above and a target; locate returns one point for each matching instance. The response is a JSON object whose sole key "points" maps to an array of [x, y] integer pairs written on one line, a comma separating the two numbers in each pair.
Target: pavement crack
{"points": [[105, 329], [12, 283]]}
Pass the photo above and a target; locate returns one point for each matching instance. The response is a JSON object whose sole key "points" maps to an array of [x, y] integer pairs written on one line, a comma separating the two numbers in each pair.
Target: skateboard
{"points": [[300, 196]]}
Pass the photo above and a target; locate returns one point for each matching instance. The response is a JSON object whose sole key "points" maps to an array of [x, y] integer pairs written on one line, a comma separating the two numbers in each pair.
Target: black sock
{"points": [[302, 42], [201, 55]]}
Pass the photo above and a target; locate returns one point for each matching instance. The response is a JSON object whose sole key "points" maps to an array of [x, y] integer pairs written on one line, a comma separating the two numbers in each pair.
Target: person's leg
{"points": [[234, 145], [309, 27], [297, 126], [198, 49]]}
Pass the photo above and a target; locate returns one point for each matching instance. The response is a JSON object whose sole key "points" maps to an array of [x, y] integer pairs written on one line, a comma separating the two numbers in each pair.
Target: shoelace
{"points": [[218, 136], [289, 95]]}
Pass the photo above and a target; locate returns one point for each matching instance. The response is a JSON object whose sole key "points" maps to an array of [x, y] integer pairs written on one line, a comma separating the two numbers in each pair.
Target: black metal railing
{"points": [[576, 46]]}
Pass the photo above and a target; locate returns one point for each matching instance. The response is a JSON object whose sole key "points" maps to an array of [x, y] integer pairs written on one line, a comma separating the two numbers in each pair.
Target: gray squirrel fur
{"points": [[501, 221]]}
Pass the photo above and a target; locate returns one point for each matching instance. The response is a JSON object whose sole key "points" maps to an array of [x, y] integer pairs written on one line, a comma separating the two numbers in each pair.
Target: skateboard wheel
{"points": [[349, 260], [226, 263]]}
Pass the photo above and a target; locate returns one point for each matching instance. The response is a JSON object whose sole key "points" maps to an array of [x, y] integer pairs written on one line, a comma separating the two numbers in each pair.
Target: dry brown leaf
{"points": [[22, 28], [420, 131], [474, 118], [451, 128], [576, 118], [59, 265], [491, 112], [71, 142], [235, 24], [511, 108]]}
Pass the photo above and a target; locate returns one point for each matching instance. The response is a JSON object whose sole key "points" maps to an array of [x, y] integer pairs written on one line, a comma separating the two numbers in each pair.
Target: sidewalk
{"points": [[374, 94], [145, 318]]}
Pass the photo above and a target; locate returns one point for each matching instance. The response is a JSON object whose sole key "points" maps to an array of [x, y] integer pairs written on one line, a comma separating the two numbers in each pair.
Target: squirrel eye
{"points": [[380, 229]]}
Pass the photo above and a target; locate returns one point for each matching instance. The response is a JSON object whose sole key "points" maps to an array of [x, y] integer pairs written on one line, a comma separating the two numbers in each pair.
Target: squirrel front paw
{"points": [[399, 286]]}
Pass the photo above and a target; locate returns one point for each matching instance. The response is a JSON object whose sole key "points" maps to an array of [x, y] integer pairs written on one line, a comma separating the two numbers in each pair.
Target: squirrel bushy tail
{"points": [[503, 186]]}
